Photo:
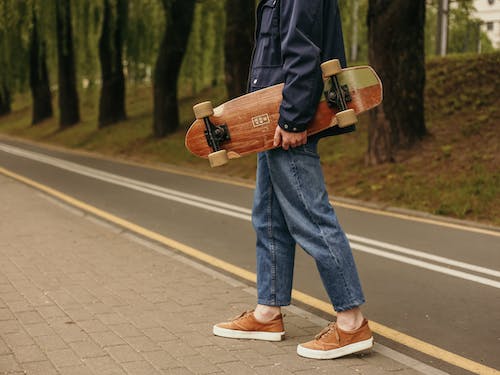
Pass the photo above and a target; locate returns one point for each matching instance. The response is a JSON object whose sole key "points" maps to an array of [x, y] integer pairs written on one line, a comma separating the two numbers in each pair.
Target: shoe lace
{"points": [[327, 331], [243, 315]]}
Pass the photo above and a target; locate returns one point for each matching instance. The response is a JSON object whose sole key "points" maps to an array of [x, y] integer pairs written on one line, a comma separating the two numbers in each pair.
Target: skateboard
{"points": [[246, 124]]}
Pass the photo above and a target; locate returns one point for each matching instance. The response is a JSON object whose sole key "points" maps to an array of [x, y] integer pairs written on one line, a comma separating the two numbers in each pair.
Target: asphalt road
{"points": [[433, 282]]}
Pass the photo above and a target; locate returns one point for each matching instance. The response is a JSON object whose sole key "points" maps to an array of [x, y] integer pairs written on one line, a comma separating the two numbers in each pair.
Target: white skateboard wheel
{"points": [[203, 110], [218, 158], [331, 68], [346, 118]]}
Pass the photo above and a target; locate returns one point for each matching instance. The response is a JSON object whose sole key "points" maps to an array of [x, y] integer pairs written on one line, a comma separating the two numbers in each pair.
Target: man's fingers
{"points": [[287, 140], [277, 137]]}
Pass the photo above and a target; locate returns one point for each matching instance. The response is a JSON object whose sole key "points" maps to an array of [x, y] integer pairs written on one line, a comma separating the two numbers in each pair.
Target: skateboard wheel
{"points": [[203, 110], [331, 68], [346, 118], [218, 158]]}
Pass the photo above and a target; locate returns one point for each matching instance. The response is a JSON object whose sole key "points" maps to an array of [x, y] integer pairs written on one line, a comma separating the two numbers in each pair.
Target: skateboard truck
{"points": [[337, 100], [338, 95], [215, 134]]}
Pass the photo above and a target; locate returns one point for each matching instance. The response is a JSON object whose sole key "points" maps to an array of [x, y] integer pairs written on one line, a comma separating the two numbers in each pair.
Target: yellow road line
{"points": [[380, 329]]}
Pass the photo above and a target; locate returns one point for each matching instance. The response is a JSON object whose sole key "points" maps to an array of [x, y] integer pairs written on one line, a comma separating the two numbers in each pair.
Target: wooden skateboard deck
{"points": [[251, 119]]}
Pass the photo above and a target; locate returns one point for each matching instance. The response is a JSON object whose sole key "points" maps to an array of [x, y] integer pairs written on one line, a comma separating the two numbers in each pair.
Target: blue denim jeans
{"points": [[291, 206]]}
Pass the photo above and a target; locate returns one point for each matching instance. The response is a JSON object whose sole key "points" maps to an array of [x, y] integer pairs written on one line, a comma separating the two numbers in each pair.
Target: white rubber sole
{"points": [[335, 353], [252, 335]]}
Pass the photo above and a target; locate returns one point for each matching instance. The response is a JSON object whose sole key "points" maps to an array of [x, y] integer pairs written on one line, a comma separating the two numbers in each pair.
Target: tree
{"points": [[6, 10], [5, 107], [39, 76], [68, 96], [179, 16], [112, 100], [240, 27], [396, 51]]}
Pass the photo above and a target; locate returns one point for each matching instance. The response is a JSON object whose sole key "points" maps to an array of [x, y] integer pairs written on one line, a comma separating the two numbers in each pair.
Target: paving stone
{"points": [[64, 358], [123, 353], [10, 326], [31, 353], [6, 314], [29, 317], [108, 338], [215, 354], [177, 371], [39, 329], [9, 364], [39, 368], [50, 311], [104, 366], [87, 348], [143, 344], [94, 325], [19, 306], [78, 314], [139, 368], [161, 360], [159, 334], [75, 370], [199, 365], [236, 367], [178, 349], [20, 338], [51, 343], [125, 330], [111, 318]]}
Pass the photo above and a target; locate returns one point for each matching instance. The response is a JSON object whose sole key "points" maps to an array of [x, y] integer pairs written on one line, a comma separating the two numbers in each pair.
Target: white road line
{"points": [[245, 214], [429, 266], [421, 254], [174, 195]]}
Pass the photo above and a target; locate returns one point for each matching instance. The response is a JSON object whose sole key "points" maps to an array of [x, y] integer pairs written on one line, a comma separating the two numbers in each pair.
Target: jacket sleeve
{"points": [[300, 32]]}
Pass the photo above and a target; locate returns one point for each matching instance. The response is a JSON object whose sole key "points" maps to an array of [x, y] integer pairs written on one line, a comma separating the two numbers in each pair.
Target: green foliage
{"points": [[348, 16], [14, 44], [145, 26], [472, 79], [464, 34], [203, 65]]}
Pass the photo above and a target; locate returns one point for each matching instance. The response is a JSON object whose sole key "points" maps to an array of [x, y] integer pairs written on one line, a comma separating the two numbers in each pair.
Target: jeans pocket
{"points": [[309, 149]]}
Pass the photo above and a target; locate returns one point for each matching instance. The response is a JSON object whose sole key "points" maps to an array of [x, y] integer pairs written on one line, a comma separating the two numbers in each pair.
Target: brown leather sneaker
{"points": [[332, 342], [245, 326]]}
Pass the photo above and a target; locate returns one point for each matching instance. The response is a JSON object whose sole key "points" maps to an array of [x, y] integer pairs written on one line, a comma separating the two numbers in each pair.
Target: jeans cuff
{"points": [[350, 306], [272, 302]]}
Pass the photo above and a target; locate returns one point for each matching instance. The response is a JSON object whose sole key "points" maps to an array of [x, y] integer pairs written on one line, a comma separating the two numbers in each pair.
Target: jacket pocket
{"points": [[268, 43], [269, 24]]}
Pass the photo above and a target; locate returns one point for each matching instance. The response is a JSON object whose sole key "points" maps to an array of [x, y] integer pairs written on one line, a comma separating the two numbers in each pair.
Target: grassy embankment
{"points": [[453, 172]]}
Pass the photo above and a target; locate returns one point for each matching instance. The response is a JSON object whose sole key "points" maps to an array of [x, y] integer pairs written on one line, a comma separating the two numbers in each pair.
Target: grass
{"points": [[453, 172]]}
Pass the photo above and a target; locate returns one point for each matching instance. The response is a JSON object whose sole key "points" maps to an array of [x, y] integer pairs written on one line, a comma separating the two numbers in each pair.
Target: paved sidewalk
{"points": [[79, 297]]}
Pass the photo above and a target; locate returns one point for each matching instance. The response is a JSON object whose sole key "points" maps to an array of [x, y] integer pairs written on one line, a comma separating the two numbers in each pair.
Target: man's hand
{"points": [[288, 139]]}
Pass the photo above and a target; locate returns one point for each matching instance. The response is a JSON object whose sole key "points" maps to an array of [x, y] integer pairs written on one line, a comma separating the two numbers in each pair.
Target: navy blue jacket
{"points": [[292, 39]]}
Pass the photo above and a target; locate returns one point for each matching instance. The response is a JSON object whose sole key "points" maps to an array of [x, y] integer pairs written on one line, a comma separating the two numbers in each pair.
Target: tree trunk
{"points": [[354, 35], [240, 28], [68, 96], [396, 39], [4, 100], [112, 100], [179, 17], [39, 77]]}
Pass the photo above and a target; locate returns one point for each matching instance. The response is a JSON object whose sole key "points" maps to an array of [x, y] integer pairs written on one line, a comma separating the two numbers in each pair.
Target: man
{"points": [[291, 206]]}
